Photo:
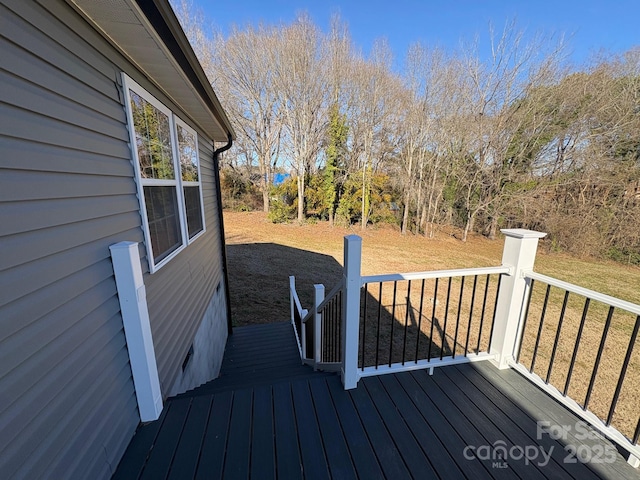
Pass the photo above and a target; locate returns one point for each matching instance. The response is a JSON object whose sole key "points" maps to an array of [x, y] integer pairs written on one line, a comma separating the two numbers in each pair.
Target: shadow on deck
{"points": [[267, 416]]}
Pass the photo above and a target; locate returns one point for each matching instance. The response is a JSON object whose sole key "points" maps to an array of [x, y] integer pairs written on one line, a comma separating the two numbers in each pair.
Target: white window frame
{"points": [[130, 85], [181, 123]]}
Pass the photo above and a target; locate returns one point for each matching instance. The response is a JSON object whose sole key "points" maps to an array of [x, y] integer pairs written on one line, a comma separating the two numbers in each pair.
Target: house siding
{"points": [[67, 191]]}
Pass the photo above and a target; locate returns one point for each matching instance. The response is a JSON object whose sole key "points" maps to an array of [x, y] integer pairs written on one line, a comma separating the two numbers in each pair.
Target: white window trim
{"points": [[179, 122], [130, 84]]}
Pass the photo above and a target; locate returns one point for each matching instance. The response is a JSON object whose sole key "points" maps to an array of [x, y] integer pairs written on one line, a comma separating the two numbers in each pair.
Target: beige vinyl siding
{"points": [[67, 192]]}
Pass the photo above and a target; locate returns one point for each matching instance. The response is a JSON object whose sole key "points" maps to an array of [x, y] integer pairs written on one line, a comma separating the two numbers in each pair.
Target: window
{"points": [[168, 175], [190, 172]]}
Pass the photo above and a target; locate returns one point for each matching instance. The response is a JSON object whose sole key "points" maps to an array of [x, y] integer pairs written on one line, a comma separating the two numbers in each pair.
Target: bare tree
{"points": [[245, 78], [372, 113], [514, 67], [299, 70]]}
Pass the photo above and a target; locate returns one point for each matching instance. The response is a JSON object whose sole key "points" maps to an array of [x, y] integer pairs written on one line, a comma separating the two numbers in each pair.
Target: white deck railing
{"points": [[594, 336], [471, 308], [318, 328]]}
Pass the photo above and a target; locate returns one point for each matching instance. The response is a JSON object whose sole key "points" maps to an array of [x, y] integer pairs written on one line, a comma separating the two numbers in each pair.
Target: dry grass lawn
{"points": [[262, 255]]}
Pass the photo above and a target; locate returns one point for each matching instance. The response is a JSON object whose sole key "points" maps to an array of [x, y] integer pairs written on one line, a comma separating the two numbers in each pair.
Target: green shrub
{"points": [[624, 255]]}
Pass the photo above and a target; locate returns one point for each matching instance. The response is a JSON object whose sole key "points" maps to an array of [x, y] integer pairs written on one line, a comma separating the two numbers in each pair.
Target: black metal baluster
{"points": [[455, 335], [338, 332], [433, 318], [406, 321], [364, 322], [495, 306], [329, 335], [332, 340], [524, 321], [557, 338], [336, 319], [332, 310], [324, 322], [332, 320], [326, 351], [598, 356], [378, 330], [393, 320], [585, 310], [323, 336], [446, 315], [473, 299], [484, 306], [339, 324], [623, 372], [634, 440], [542, 315], [419, 320]]}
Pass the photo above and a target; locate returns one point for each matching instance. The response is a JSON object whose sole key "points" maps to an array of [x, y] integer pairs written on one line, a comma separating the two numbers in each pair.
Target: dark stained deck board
{"points": [[213, 449], [335, 446], [423, 433], [449, 393], [292, 423], [185, 461], [463, 423], [444, 431], [494, 399], [263, 466], [309, 438], [541, 407], [364, 460], [493, 425], [239, 437], [383, 446], [135, 457], [161, 456], [411, 452], [288, 462]]}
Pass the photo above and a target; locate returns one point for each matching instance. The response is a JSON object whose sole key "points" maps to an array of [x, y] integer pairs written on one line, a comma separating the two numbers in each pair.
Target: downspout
{"points": [[225, 272]]}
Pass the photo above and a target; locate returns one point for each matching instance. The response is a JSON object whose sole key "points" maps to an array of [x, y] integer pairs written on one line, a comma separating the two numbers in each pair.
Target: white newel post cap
{"points": [[522, 233]]}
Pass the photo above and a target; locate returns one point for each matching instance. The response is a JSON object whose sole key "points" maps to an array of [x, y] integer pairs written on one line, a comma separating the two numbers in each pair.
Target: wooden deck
{"points": [[267, 416]]}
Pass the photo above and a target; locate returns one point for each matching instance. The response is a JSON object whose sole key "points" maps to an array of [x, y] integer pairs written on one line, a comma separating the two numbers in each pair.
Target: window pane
{"points": [[164, 222], [188, 155], [153, 139], [194, 210]]}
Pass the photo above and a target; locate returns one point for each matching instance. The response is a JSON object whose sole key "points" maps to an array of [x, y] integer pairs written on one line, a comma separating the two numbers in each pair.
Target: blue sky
{"points": [[590, 25]]}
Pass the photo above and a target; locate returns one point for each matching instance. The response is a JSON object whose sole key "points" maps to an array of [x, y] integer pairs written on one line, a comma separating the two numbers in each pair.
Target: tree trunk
{"points": [[423, 220], [301, 198], [493, 229], [365, 199], [468, 227], [265, 199], [405, 219], [405, 215]]}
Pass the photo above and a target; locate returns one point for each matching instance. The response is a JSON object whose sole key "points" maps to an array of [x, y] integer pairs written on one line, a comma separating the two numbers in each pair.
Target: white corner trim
{"points": [[135, 317]]}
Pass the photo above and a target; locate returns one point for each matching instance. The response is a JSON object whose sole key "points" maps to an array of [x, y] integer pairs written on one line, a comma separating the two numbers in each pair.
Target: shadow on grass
{"points": [[259, 280], [259, 287]]}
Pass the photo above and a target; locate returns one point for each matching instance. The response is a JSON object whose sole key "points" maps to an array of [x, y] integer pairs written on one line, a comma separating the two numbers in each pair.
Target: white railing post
{"points": [[137, 330], [351, 310], [317, 324], [519, 255], [292, 287]]}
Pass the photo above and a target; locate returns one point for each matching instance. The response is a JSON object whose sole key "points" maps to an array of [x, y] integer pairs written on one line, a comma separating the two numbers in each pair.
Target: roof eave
{"points": [[161, 50]]}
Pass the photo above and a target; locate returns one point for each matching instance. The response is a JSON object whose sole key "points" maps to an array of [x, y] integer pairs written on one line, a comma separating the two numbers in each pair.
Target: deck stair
{"points": [[258, 355]]}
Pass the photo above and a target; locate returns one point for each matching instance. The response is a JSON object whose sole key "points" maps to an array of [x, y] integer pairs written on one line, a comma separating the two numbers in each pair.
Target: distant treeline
{"points": [[512, 138]]}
